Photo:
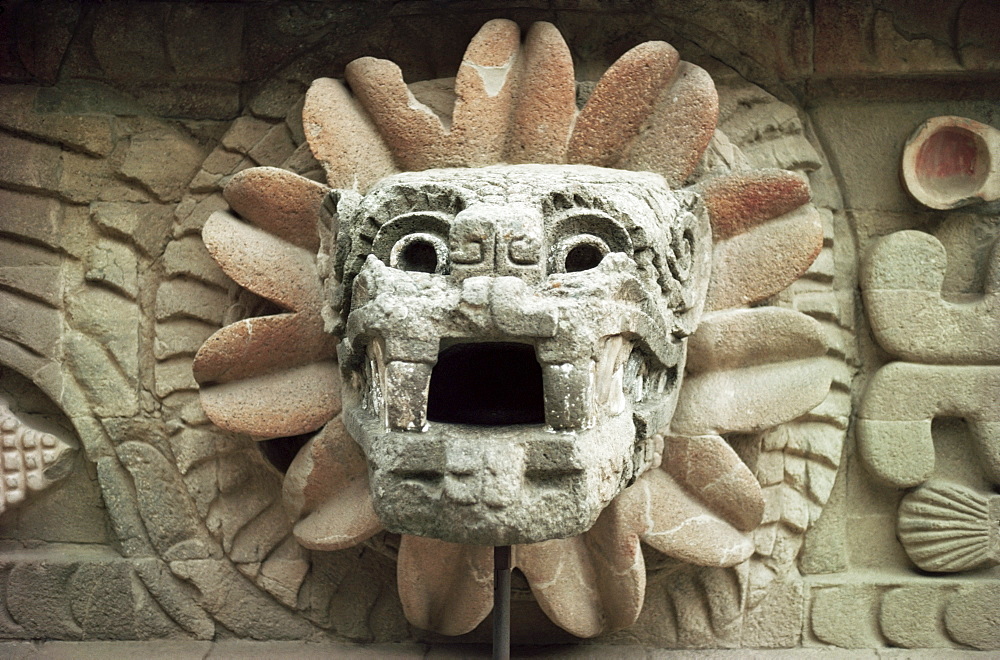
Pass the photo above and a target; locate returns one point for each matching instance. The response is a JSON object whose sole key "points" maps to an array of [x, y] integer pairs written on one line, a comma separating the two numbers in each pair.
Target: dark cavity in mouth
{"points": [[487, 384]]}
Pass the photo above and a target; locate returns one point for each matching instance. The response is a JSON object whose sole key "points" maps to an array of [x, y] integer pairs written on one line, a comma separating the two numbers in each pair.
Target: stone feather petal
{"points": [[263, 263], [255, 346], [444, 587], [594, 582], [282, 403], [326, 489], [279, 202]]}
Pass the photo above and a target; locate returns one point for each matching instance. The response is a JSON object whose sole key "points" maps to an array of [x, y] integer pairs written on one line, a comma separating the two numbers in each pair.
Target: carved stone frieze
{"points": [[948, 349], [601, 274]]}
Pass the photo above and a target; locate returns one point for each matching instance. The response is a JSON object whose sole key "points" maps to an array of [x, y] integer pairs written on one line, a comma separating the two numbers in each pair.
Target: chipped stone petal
{"points": [[326, 490], [757, 264], [901, 282], [343, 137], [739, 202], [263, 263], [31, 460], [412, 131], [279, 202], [594, 582], [444, 587], [679, 128], [282, 403], [258, 345], [744, 337], [545, 104], [484, 91], [679, 525], [621, 103], [707, 465]]}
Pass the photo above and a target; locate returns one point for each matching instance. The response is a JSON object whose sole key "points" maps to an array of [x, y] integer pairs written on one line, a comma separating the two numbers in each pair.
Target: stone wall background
{"points": [[119, 121]]}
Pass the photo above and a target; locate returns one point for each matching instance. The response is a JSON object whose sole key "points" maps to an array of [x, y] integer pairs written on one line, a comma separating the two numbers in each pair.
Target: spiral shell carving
{"points": [[30, 459], [947, 528]]}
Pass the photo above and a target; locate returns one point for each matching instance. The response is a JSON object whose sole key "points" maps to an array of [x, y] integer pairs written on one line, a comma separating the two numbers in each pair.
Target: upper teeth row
{"points": [[575, 392]]}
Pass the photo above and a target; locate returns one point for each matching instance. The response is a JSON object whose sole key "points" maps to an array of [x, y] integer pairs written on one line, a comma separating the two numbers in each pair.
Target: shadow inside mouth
{"points": [[487, 384]]}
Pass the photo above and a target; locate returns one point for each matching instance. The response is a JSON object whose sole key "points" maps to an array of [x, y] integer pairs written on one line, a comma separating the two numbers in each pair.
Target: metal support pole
{"points": [[501, 602]]}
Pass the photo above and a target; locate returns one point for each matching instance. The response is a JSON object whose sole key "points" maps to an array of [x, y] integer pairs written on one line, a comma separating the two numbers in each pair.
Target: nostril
{"points": [[487, 384]]}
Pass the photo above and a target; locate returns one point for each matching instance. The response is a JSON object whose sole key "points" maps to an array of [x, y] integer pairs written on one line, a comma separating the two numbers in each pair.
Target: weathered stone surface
{"points": [[205, 41], [972, 616], [182, 298], [902, 283], [902, 399], [27, 164], [92, 134], [275, 147], [162, 161], [145, 224], [188, 257], [882, 39], [44, 30], [31, 271], [30, 216], [114, 265], [111, 319], [844, 616], [237, 605], [910, 617]]}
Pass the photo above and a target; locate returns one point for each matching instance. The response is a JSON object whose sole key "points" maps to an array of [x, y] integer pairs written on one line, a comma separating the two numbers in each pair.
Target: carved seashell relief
{"points": [[950, 162], [948, 528]]}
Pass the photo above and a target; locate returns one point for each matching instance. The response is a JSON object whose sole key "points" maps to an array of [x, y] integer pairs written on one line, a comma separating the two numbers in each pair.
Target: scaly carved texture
{"points": [[29, 457]]}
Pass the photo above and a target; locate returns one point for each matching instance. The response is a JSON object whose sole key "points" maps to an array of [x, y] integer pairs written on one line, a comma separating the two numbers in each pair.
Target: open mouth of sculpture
{"points": [[511, 438], [503, 383], [486, 384]]}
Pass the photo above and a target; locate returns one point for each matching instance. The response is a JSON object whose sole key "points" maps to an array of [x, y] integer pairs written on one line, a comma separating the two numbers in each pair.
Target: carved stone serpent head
{"points": [[513, 337], [492, 324]]}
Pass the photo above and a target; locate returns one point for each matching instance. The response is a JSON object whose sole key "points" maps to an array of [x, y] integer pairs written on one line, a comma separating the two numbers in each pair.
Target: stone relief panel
{"points": [[937, 322], [200, 513], [343, 515]]}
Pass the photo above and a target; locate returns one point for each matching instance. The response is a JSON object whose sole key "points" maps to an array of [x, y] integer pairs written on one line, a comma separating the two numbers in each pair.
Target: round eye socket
{"points": [[419, 252], [582, 252]]}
